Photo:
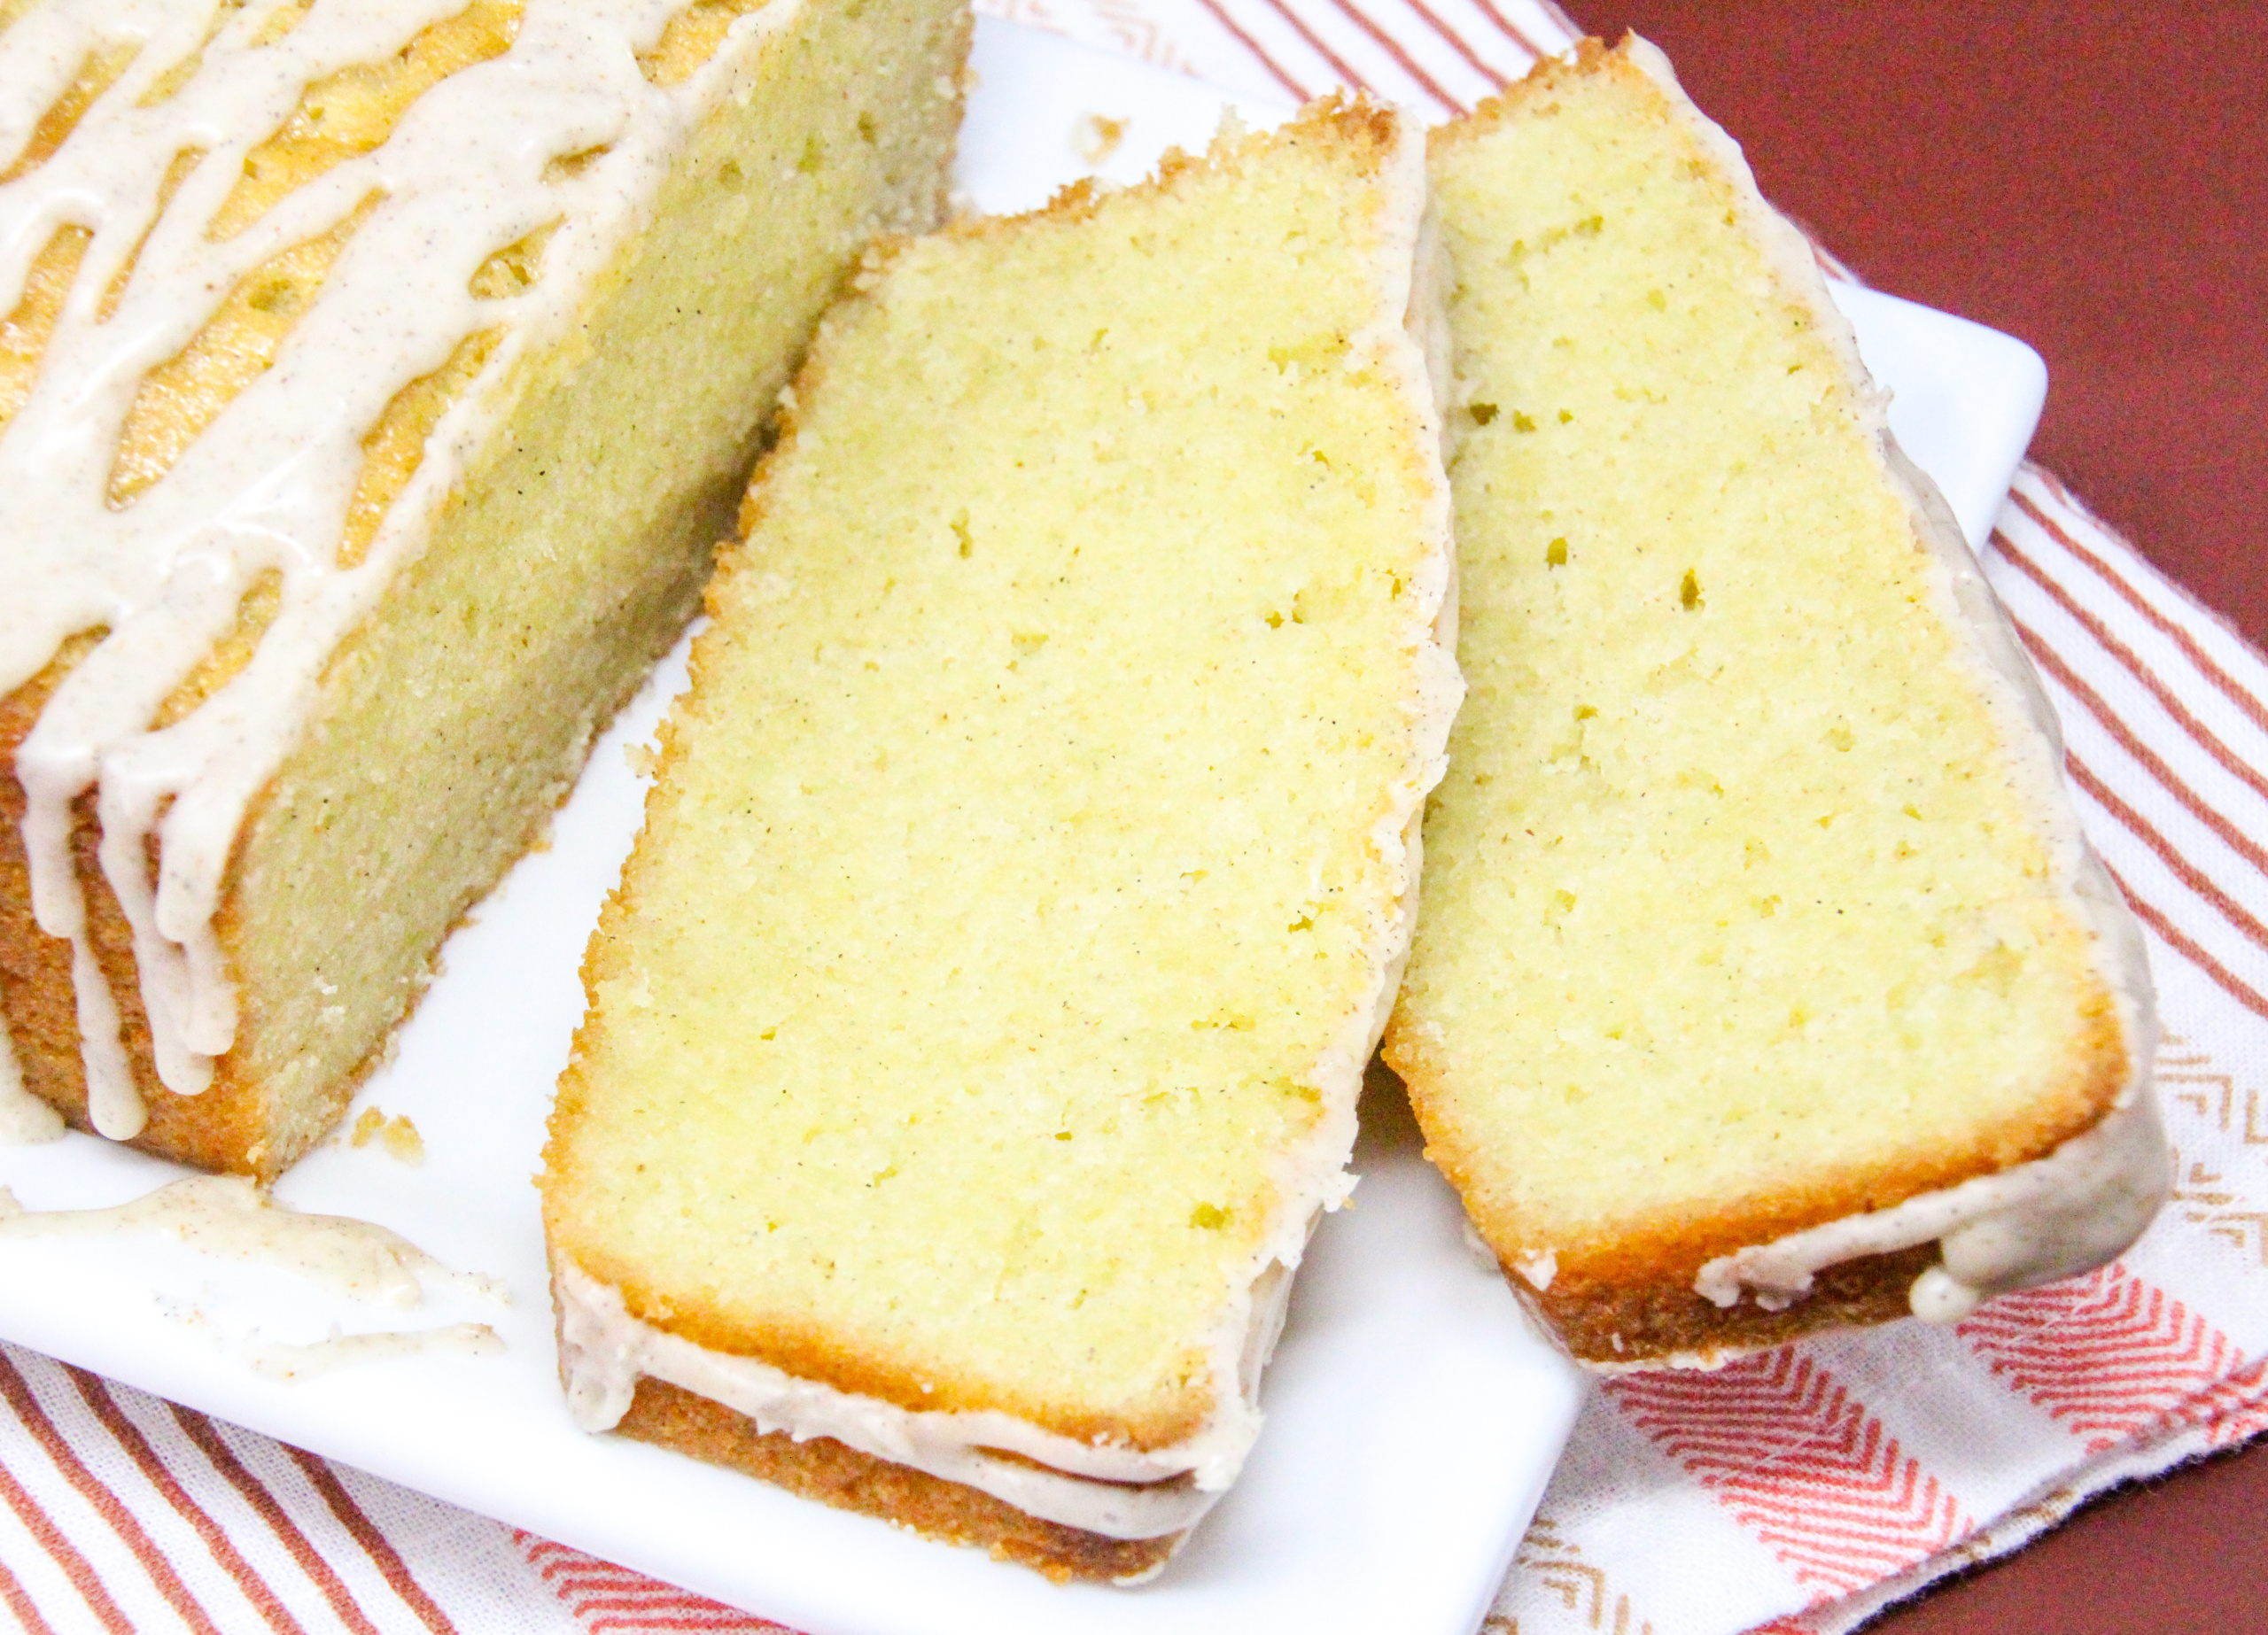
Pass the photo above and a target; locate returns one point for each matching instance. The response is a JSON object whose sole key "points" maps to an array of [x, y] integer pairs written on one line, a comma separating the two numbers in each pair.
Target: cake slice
{"points": [[373, 382], [975, 1035], [1764, 980]]}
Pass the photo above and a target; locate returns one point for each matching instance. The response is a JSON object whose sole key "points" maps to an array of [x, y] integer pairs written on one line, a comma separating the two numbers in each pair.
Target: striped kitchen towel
{"points": [[1796, 1492]]}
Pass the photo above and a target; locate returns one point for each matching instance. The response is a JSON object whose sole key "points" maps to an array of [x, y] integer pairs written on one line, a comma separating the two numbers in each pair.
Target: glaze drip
{"points": [[229, 1218]]}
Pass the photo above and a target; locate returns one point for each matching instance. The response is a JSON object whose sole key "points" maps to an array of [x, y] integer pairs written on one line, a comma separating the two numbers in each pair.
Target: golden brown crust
{"points": [[811, 1350], [2088, 1088], [1663, 1319], [834, 1474], [1587, 54], [1639, 1286]]}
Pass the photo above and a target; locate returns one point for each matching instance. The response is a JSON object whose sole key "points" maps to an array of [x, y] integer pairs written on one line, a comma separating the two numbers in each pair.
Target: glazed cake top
{"points": [[268, 269]]}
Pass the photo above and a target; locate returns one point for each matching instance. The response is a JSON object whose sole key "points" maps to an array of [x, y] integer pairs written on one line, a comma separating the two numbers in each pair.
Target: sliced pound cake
{"points": [[975, 1033], [1764, 980], [373, 382]]}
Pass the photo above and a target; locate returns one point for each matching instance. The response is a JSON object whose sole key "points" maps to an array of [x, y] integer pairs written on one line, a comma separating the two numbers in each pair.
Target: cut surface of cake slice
{"points": [[975, 1035], [1764, 979], [375, 381]]}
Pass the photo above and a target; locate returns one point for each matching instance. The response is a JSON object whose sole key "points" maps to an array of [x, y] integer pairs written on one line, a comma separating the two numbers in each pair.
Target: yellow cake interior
{"points": [[1736, 918], [1016, 864], [567, 558]]}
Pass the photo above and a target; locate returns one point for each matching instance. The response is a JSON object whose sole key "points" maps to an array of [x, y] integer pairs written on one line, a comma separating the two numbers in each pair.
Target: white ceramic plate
{"points": [[1412, 1418]]}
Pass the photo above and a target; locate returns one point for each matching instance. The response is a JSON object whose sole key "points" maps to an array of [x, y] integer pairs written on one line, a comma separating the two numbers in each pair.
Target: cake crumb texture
{"points": [[984, 1008], [825, 1469], [1743, 909]]}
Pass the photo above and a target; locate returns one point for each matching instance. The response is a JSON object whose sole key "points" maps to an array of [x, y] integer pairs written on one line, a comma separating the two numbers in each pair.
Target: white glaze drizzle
{"points": [[229, 1218], [2088, 1199], [279, 1361], [267, 485]]}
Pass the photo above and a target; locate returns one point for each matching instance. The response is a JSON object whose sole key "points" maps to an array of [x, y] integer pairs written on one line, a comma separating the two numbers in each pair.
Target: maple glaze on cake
{"points": [[374, 381]]}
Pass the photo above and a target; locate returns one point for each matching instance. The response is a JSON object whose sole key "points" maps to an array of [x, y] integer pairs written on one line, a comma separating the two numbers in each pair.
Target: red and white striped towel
{"points": [[1796, 1492]]}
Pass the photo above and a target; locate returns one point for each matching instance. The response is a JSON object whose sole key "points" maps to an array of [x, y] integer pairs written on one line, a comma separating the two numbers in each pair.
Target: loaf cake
{"points": [[375, 381], [1764, 980], [975, 1033]]}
